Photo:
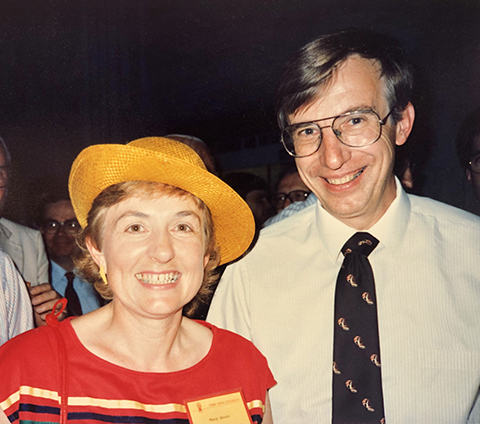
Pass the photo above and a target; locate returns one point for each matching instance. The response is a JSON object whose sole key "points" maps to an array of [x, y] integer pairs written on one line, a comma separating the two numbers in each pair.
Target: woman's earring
{"points": [[103, 275]]}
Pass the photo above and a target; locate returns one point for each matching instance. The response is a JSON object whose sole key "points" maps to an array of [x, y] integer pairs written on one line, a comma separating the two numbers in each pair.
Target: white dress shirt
{"points": [[427, 275], [16, 314]]}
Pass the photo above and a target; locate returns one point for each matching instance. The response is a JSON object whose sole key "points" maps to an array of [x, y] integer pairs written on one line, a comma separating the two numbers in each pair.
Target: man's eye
{"points": [[307, 132], [356, 121]]}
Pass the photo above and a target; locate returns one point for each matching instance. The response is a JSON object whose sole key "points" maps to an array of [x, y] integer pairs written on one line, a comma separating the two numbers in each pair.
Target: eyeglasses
{"points": [[70, 226], [359, 128], [279, 199], [474, 163]]}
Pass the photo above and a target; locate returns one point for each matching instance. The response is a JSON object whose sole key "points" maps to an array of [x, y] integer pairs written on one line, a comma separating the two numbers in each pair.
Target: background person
{"points": [[468, 152], [25, 246], [59, 227], [343, 104], [289, 189], [291, 196], [156, 223]]}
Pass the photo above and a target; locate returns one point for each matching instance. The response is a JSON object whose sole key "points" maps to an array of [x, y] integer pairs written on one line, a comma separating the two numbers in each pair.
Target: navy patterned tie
{"points": [[357, 379]]}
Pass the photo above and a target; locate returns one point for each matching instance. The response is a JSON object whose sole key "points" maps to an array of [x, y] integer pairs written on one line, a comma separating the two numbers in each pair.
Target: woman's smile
{"points": [[158, 278]]}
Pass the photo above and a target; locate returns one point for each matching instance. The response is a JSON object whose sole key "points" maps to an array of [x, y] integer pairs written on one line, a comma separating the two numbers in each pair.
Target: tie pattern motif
{"points": [[73, 302], [357, 383]]}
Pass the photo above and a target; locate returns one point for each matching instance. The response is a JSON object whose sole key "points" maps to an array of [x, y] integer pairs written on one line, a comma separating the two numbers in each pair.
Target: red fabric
{"points": [[32, 360]]}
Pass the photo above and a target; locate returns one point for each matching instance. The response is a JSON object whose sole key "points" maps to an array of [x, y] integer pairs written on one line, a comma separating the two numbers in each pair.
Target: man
{"points": [[291, 196], [290, 189], [25, 246], [343, 106], [15, 307], [59, 229], [468, 151]]}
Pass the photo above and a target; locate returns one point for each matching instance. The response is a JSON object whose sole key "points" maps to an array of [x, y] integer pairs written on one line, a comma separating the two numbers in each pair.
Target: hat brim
{"points": [[100, 166]]}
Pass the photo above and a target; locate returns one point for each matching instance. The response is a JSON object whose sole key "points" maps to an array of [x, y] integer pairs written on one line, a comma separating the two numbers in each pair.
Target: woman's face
{"points": [[153, 252]]}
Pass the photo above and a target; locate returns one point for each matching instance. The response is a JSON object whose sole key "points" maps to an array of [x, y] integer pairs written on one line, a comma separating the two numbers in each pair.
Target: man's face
{"points": [[355, 185], [474, 177], [4, 178], [60, 243], [289, 183]]}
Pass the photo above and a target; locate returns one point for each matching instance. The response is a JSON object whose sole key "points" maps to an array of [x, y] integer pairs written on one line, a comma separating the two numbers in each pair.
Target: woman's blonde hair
{"points": [[95, 228]]}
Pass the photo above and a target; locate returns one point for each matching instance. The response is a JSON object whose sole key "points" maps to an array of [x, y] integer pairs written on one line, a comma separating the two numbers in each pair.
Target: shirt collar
{"points": [[389, 230], [57, 270]]}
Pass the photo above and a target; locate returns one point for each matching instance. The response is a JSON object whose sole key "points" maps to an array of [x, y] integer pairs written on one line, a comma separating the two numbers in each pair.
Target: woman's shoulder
{"points": [[41, 342], [231, 343]]}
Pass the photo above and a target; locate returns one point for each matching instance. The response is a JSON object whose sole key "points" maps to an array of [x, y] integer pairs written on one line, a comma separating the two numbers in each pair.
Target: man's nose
{"points": [[333, 153]]}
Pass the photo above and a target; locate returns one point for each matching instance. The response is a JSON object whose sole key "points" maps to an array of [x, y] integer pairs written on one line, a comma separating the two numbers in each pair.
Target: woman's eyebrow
{"points": [[127, 214]]}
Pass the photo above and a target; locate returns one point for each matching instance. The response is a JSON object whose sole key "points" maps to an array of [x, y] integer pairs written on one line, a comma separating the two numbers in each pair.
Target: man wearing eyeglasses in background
{"points": [[59, 228], [343, 105], [291, 195], [468, 151]]}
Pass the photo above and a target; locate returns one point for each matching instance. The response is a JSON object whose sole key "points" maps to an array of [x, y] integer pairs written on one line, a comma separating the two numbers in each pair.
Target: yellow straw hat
{"points": [[165, 161]]}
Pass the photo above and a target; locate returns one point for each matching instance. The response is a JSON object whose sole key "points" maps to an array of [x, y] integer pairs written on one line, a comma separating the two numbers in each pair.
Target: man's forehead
{"points": [[62, 208], [355, 64]]}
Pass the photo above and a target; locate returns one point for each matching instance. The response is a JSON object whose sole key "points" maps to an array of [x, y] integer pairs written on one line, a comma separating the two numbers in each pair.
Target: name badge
{"points": [[224, 408]]}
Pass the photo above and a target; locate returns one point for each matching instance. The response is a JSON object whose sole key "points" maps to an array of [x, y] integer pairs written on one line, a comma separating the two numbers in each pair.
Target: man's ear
{"points": [[96, 254], [405, 125]]}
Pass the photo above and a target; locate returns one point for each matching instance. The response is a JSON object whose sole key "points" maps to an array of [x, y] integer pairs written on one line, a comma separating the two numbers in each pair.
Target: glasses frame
{"points": [[60, 225], [382, 122], [287, 196]]}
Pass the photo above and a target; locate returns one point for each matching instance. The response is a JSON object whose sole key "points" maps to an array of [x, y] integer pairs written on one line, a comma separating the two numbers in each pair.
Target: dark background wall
{"points": [[74, 73]]}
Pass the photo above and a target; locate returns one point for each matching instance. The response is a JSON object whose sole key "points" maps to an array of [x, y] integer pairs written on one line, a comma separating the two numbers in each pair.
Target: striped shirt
{"points": [[16, 314], [98, 391]]}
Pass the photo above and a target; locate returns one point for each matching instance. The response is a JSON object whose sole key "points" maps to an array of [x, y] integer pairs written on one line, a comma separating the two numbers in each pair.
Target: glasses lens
{"points": [[302, 139], [71, 226], [50, 226], [358, 128], [475, 163], [298, 195]]}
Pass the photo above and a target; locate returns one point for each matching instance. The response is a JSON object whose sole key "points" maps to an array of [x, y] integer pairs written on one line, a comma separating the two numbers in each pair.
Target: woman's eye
{"points": [[135, 228], [184, 228]]}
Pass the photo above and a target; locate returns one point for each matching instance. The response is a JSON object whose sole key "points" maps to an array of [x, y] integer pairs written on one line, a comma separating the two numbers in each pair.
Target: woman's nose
{"points": [[161, 248]]}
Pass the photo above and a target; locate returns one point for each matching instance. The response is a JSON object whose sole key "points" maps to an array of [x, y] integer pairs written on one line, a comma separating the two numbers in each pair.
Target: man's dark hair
{"points": [[468, 132], [312, 67]]}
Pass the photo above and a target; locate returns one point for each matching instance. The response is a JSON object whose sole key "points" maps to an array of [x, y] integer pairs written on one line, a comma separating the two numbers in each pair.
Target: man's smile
{"points": [[345, 179]]}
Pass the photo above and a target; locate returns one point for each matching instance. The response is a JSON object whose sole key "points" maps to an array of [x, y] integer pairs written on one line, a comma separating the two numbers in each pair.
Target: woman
{"points": [[155, 225]]}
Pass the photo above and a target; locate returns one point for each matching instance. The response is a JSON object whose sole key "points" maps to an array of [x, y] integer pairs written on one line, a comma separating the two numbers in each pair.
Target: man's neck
{"points": [[66, 262]]}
